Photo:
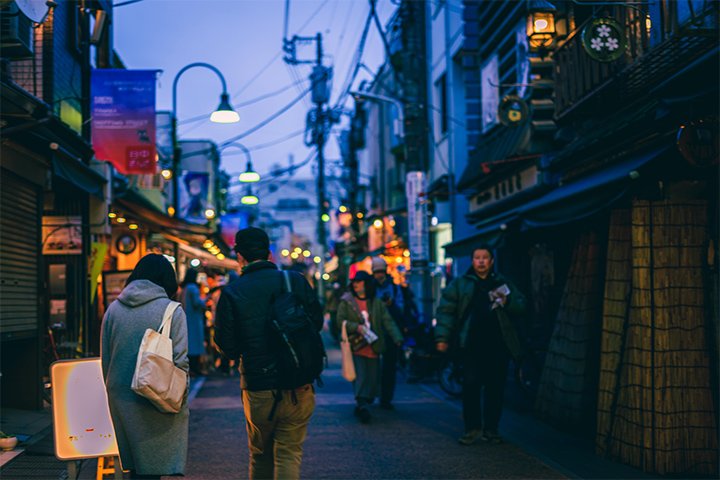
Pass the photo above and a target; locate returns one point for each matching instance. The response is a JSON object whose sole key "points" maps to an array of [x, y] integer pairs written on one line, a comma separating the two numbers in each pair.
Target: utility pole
{"points": [[417, 152], [318, 77], [317, 124]]}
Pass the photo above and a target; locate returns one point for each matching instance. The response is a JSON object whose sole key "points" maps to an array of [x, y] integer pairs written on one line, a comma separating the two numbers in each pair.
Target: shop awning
{"points": [[563, 204], [505, 144], [77, 173], [208, 258], [490, 233], [135, 203], [587, 196]]}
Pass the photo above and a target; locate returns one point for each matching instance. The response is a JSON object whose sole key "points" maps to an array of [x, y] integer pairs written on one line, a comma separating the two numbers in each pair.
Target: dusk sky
{"points": [[243, 39]]}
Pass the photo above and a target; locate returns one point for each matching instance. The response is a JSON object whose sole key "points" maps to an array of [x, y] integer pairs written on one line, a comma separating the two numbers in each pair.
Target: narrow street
{"points": [[417, 440]]}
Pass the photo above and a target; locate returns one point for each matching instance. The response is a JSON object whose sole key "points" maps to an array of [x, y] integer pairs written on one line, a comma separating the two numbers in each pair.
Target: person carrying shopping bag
{"points": [[367, 324], [151, 443]]}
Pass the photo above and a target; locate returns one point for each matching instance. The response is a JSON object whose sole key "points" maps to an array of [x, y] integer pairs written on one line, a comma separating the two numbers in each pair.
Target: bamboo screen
{"points": [[655, 403], [567, 384]]}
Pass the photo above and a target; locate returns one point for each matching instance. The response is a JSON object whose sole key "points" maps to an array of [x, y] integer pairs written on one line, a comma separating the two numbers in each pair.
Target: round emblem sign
{"points": [[604, 39], [513, 111], [126, 244]]}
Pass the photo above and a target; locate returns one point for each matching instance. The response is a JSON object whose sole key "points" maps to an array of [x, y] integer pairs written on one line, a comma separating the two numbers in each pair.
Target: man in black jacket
{"points": [[276, 420]]}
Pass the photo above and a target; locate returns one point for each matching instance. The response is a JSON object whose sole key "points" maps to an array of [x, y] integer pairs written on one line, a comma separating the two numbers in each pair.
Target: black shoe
{"points": [[364, 414], [471, 437], [387, 406], [492, 436]]}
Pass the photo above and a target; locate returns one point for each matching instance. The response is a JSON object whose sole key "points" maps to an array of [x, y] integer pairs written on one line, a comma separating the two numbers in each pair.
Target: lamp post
{"points": [[223, 114], [249, 175]]}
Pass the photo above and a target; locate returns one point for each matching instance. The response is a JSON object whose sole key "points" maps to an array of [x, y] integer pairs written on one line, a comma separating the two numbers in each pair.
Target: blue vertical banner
{"points": [[123, 119]]}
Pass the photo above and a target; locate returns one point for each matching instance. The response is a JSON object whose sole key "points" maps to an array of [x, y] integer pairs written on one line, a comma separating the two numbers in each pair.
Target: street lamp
{"points": [[249, 175], [249, 198], [223, 114]]}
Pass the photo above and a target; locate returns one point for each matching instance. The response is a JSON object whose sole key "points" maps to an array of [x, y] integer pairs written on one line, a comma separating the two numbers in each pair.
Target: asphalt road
{"points": [[417, 440]]}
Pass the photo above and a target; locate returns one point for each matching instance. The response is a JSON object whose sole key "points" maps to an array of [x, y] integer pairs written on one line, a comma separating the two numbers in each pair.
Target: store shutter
{"points": [[19, 256]]}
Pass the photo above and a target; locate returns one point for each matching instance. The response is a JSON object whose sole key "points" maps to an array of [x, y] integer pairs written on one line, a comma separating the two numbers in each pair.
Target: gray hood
{"points": [[140, 292]]}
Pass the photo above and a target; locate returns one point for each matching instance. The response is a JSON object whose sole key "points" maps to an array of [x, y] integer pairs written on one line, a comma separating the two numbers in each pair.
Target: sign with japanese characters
{"points": [[123, 119], [417, 216], [61, 235]]}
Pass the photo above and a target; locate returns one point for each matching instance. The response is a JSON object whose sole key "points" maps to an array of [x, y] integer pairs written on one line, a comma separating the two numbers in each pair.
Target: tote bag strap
{"points": [[167, 319]]}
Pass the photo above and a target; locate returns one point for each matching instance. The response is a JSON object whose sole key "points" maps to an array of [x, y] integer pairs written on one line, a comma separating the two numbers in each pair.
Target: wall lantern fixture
{"points": [[540, 23]]}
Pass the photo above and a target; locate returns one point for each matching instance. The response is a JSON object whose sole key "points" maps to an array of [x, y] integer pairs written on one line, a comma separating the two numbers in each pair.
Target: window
{"points": [[490, 94], [442, 96]]}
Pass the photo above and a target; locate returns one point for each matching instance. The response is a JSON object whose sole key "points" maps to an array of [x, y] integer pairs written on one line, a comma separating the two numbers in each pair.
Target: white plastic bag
{"points": [[156, 376], [348, 367]]}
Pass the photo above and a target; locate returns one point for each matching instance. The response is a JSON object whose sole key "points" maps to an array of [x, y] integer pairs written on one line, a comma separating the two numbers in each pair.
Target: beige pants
{"points": [[276, 445]]}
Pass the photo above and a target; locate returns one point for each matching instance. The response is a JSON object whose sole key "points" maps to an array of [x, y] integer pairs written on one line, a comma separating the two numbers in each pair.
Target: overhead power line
{"points": [[242, 104], [267, 120], [347, 85]]}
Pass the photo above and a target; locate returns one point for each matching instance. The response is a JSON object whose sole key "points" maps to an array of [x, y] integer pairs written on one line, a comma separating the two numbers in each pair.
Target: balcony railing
{"points": [[577, 75]]}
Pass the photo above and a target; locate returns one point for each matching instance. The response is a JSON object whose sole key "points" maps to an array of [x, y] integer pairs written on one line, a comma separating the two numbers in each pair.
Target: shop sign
{"points": [[604, 39], [699, 142], [123, 119], [113, 283], [82, 426], [61, 235], [418, 240], [513, 111], [505, 188]]}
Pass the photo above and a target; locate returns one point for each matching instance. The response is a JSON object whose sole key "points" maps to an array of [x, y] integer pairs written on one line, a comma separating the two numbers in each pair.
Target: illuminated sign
{"points": [[81, 416]]}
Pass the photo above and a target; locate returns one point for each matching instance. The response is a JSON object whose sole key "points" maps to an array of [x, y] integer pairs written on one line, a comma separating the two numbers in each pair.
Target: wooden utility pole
{"points": [[414, 68]]}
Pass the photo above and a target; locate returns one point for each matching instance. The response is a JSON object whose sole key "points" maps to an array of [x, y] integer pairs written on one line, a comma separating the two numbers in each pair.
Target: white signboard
{"points": [[81, 415], [417, 216], [490, 79]]}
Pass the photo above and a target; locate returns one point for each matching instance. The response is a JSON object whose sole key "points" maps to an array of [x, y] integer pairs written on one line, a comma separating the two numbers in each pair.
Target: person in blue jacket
{"points": [[194, 307]]}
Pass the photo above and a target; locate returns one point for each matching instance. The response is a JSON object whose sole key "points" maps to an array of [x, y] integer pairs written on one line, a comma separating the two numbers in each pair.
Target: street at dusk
{"points": [[378, 239]]}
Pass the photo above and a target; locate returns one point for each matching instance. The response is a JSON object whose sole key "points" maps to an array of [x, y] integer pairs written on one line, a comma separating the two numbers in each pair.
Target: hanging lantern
{"points": [[540, 24]]}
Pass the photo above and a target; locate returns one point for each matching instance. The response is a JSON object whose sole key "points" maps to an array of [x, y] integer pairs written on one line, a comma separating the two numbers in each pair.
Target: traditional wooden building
{"points": [[603, 204]]}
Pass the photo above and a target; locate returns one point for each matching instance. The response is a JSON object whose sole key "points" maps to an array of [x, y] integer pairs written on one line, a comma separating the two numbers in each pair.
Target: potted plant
{"points": [[7, 442]]}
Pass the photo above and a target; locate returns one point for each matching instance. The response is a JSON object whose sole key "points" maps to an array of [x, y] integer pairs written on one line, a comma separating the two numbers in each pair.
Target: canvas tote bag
{"points": [[348, 367], [156, 376]]}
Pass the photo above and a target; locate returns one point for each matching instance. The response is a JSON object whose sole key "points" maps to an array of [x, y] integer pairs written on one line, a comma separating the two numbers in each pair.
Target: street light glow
{"points": [[285, 252], [225, 112], [249, 177], [209, 213], [166, 173], [317, 259]]}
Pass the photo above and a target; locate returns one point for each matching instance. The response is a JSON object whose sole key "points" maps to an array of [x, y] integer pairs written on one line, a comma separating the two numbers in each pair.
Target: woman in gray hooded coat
{"points": [[151, 443]]}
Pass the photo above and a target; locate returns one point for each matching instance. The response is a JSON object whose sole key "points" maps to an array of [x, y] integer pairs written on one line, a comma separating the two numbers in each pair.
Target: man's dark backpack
{"points": [[301, 351]]}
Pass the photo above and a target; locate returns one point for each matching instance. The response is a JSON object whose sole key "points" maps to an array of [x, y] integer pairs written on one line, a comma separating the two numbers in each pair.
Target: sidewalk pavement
{"points": [[34, 457]]}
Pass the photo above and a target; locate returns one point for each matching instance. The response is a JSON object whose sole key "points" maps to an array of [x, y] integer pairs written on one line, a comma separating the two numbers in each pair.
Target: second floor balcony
{"points": [[662, 38]]}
